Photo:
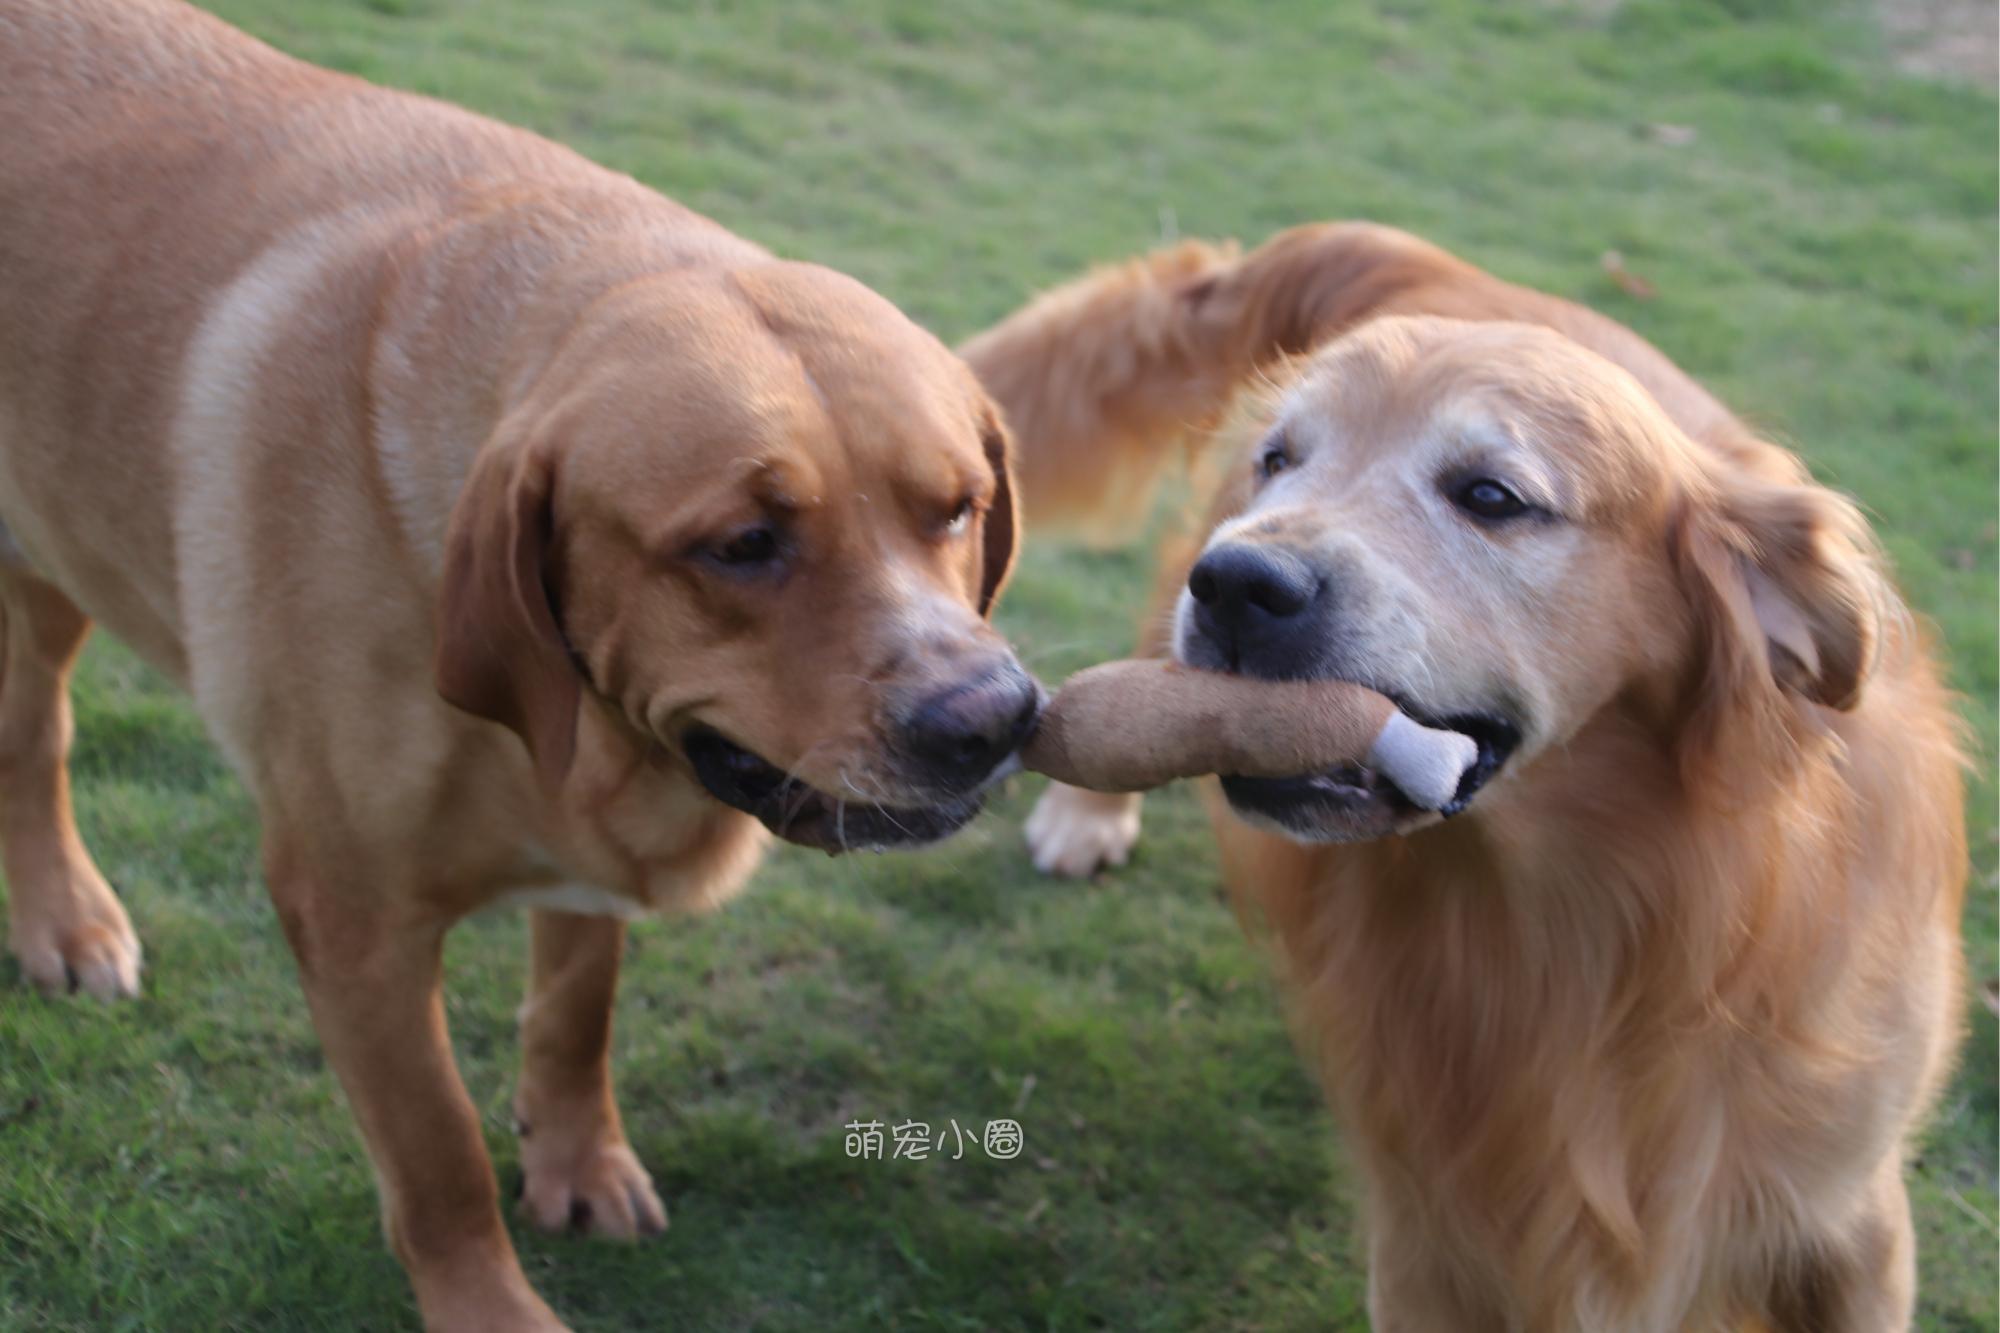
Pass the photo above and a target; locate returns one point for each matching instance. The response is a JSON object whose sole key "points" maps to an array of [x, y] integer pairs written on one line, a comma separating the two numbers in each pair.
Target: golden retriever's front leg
{"points": [[577, 1169], [1073, 833], [371, 974], [1863, 1280], [1411, 1285]]}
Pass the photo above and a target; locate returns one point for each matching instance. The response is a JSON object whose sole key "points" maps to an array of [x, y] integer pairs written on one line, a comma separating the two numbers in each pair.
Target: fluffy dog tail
{"points": [[1111, 377]]}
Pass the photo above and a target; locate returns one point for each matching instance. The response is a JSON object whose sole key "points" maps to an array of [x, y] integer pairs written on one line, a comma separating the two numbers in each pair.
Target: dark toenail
{"points": [[69, 975], [520, 1184], [648, 1227], [579, 1214], [116, 892], [522, 1129]]}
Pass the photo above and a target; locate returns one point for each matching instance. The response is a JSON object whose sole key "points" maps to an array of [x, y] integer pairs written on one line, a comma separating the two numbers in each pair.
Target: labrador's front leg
{"points": [[371, 974], [577, 1169]]}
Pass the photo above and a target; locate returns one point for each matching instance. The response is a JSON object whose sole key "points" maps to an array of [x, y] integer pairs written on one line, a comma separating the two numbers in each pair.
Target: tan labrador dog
{"points": [[1638, 1040], [520, 535]]}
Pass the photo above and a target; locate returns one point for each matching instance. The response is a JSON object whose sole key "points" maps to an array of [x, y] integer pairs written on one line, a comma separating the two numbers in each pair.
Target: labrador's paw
{"points": [[75, 938], [482, 1297], [587, 1179], [1072, 832]]}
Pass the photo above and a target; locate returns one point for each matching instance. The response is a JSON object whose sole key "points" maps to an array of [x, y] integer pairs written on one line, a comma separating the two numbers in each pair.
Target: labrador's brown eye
{"points": [[752, 546], [960, 517]]}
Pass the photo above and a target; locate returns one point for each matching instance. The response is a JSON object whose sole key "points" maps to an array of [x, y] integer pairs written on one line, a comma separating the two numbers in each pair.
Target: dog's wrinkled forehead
{"points": [[1443, 392], [884, 380], [781, 384]]}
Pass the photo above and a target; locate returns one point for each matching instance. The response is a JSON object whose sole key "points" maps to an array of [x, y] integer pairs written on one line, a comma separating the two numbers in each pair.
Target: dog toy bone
{"points": [[1131, 725]]}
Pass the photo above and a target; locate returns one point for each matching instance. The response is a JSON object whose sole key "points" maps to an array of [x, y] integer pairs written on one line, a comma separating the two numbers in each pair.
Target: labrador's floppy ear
{"points": [[1788, 597], [500, 654], [1003, 527]]}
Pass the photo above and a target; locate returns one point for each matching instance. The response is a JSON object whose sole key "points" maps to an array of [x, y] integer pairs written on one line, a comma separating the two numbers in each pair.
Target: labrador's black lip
{"points": [[800, 813]]}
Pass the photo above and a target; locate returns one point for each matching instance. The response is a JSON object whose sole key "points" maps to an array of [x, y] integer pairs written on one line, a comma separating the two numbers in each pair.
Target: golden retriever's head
{"points": [[755, 520], [1502, 531]]}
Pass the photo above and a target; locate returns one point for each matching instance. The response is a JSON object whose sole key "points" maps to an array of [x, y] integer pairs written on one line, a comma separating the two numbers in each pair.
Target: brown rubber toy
{"points": [[1131, 725]]}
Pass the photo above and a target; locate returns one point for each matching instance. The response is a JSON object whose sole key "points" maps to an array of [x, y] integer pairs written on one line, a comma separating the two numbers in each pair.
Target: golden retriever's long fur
{"points": [[1638, 1040]]}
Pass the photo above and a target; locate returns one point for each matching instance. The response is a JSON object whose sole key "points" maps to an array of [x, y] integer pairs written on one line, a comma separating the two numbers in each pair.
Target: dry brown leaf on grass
{"points": [[1628, 282]]}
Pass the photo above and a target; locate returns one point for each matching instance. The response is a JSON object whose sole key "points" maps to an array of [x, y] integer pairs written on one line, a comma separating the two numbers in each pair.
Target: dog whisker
{"points": [[874, 802]]}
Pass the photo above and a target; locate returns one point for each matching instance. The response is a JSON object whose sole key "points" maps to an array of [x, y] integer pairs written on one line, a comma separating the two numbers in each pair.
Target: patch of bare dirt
{"points": [[1945, 39]]}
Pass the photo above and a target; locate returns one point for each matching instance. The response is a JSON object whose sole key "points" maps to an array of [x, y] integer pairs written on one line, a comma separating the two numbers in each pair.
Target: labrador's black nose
{"points": [[1260, 608], [961, 734]]}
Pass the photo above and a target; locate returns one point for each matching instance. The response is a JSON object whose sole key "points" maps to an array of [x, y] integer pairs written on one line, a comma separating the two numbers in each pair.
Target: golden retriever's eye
{"points": [[961, 517], [1483, 497], [752, 546], [1275, 459]]}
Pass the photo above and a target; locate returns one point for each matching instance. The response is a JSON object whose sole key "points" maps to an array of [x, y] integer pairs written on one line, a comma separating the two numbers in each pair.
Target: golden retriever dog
{"points": [[1637, 1040], [520, 536]]}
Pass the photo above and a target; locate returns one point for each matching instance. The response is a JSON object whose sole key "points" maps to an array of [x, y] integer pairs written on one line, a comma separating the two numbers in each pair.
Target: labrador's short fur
{"points": [[1638, 1041], [401, 438]]}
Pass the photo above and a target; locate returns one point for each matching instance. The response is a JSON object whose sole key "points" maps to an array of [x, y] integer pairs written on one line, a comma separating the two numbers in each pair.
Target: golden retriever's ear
{"points": [[1003, 526], [500, 655], [1794, 579]]}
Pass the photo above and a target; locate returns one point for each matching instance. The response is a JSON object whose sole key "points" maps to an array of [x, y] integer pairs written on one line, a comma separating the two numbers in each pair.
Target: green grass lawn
{"points": [[1824, 255]]}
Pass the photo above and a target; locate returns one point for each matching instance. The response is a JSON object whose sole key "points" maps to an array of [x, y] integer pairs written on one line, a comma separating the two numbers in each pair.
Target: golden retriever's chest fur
{"points": [[1616, 1062]]}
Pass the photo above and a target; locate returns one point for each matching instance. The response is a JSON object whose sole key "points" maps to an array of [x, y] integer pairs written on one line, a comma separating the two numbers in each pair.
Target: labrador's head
{"points": [[1502, 531], [757, 521]]}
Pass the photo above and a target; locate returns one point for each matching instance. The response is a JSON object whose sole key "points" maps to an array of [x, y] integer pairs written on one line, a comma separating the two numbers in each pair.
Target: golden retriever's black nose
{"points": [[1239, 585], [1252, 601], [961, 734]]}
